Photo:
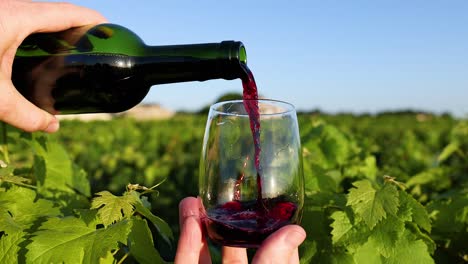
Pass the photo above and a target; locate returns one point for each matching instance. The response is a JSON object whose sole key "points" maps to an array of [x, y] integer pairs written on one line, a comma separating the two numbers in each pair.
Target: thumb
{"points": [[281, 246], [19, 112], [192, 247]]}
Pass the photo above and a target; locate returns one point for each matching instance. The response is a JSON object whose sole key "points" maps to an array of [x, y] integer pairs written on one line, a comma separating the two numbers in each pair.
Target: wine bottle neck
{"points": [[194, 62]]}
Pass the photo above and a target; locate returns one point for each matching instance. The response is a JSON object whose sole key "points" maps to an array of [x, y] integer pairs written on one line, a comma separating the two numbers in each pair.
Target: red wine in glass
{"points": [[244, 224]]}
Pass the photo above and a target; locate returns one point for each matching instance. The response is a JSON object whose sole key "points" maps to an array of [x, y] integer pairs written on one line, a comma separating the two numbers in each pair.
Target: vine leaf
{"points": [[164, 238], [54, 169], [21, 207], [418, 213], [113, 208], [141, 243], [70, 240], [341, 226], [371, 204], [409, 250], [6, 175], [9, 247], [386, 235]]}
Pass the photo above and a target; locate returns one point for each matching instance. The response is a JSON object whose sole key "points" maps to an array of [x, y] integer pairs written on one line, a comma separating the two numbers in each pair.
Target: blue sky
{"points": [[360, 56]]}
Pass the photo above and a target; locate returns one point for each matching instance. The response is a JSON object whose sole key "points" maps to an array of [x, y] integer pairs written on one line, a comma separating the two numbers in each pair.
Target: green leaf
{"points": [[318, 246], [367, 168], [371, 204], [319, 179], [25, 209], [409, 251], [405, 211], [406, 250], [328, 147], [141, 243], [437, 177], [367, 254], [447, 151], [88, 216], [113, 208], [54, 169], [449, 216], [335, 146], [15, 179], [6, 175], [6, 170], [418, 234], [318, 242], [341, 226], [9, 247], [164, 237], [8, 224], [341, 257], [70, 240], [345, 233], [108, 259], [308, 249], [80, 181], [386, 234], [418, 212]]}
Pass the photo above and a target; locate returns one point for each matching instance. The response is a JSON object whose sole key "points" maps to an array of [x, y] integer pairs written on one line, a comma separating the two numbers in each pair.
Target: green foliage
{"points": [[355, 213], [47, 217], [126, 151], [379, 189]]}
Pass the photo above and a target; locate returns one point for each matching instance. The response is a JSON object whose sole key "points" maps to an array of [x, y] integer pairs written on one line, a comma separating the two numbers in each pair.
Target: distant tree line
{"points": [[403, 112]]}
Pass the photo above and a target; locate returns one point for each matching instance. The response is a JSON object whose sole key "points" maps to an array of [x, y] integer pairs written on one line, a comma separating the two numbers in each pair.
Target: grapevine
{"points": [[379, 189]]}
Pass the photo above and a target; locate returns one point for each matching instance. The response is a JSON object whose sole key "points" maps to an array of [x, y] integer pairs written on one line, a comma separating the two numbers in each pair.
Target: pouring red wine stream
{"points": [[250, 98]]}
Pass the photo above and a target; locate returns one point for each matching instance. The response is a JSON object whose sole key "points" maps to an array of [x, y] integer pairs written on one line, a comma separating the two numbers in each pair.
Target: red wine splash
{"points": [[240, 179]]}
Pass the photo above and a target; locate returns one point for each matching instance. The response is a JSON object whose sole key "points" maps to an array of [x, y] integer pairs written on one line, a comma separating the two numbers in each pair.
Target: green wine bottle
{"points": [[108, 68]]}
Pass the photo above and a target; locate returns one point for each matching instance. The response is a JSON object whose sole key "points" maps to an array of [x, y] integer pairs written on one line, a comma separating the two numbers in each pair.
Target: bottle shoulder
{"points": [[93, 39]]}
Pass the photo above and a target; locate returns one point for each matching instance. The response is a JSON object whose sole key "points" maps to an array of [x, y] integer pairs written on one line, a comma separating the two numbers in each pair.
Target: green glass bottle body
{"points": [[107, 68]]}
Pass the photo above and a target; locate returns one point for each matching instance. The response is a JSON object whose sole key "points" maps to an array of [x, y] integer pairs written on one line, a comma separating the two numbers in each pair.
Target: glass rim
{"points": [[288, 107]]}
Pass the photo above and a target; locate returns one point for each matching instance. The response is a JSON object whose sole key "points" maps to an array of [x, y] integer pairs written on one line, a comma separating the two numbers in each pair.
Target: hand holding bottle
{"points": [[279, 247], [18, 19]]}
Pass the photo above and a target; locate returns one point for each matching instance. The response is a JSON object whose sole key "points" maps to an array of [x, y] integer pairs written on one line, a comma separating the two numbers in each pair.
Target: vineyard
{"points": [[390, 188]]}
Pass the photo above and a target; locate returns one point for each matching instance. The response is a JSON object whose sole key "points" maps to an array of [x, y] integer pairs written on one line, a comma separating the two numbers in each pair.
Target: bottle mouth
{"points": [[236, 51], [242, 54], [232, 55]]}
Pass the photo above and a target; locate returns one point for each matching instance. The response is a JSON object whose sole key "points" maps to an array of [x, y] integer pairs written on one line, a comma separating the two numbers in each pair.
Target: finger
{"points": [[19, 112], [54, 16], [234, 255], [192, 248], [294, 259], [280, 246]]}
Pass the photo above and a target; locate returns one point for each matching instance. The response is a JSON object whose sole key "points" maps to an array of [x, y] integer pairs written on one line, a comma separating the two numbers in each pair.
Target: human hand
{"points": [[18, 19], [279, 247]]}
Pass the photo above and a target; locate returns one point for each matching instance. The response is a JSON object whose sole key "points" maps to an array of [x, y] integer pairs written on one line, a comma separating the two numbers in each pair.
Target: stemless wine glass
{"points": [[244, 201]]}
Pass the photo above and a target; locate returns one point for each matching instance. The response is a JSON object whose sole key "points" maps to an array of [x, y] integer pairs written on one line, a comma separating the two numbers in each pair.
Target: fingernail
{"points": [[54, 125], [295, 238]]}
